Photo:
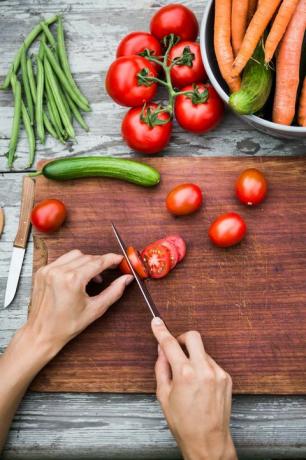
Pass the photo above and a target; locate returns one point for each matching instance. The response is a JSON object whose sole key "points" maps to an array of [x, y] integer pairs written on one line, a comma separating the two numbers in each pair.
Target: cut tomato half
{"points": [[158, 260], [180, 245], [174, 257], [137, 263]]}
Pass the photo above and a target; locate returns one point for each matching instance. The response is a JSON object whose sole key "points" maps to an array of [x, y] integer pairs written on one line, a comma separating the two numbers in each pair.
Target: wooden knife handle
{"points": [[27, 201]]}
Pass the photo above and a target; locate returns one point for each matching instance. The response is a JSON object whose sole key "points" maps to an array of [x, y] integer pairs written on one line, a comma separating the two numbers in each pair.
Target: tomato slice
{"points": [[137, 263], [174, 257], [158, 260], [180, 245]]}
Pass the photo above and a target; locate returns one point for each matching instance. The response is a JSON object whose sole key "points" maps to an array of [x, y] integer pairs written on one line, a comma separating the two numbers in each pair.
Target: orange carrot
{"points": [[239, 22], [287, 67], [256, 28], [222, 43], [251, 9], [279, 27], [302, 108]]}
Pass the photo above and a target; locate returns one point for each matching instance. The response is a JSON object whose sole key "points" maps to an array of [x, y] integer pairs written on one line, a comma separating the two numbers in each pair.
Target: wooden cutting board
{"points": [[249, 302]]}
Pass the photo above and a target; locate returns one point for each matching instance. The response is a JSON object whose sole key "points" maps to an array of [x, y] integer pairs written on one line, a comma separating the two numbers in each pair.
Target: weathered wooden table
{"points": [[107, 426]]}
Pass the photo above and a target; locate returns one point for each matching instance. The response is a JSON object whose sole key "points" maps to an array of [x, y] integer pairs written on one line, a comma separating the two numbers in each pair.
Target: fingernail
{"points": [[128, 279], [157, 321]]}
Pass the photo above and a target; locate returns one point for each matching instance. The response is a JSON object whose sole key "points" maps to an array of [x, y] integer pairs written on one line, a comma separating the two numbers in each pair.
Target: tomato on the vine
{"points": [[137, 263], [146, 129], [189, 66], [184, 199], [141, 43], [158, 260], [201, 110], [174, 19], [251, 187], [126, 81], [227, 230], [48, 215]]}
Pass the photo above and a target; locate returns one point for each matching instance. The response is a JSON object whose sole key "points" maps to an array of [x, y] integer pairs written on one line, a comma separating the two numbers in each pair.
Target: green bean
{"points": [[65, 101], [63, 79], [53, 121], [41, 47], [31, 79], [15, 125], [58, 100], [77, 114], [39, 101], [30, 134], [26, 85], [52, 109], [48, 34], [49, 127], [27, 43], [64, 60]]}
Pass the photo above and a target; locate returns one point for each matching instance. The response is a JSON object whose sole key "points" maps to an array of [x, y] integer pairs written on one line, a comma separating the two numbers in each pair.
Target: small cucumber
{"points": [[255, 86], [117, 168]]}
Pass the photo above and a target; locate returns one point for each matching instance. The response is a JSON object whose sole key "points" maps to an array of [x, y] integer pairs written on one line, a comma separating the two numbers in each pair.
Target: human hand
{"points": [[195, 395]]}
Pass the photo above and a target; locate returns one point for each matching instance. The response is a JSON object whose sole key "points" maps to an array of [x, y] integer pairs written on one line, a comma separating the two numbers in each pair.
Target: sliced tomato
{"points": [[137, 263], [158, 260], [174, 257], [180, 245]]}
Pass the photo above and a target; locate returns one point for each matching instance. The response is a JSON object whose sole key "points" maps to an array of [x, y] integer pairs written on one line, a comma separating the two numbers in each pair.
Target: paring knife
{"points": [[143, 288], [20, 243]]}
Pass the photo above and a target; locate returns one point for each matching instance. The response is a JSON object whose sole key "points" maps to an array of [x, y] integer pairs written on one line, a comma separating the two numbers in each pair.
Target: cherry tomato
{"points": [[184, 199], [137, 263], [251, 187], [174, 257], [123, 81], [140, 135], [175, 19], [157, 258], [139, 43], [179, 244], [200, 112], [227, 230], [193, 71], [48, 215]]}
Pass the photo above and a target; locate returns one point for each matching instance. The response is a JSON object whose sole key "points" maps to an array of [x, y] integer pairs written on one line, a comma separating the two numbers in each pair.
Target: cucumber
{"points": [[118, 168], [256, 85]]}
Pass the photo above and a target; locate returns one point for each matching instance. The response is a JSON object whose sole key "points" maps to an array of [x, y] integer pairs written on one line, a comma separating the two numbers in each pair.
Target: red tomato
{"points": [[184, 199], [48, 215], [179, 244], [174, 19], [227, 230], [141, 135], [193, 71], [137, 263], [157, 258], [122, 81], [251, 187], [174, 257], [138, 43], [200, 112]]}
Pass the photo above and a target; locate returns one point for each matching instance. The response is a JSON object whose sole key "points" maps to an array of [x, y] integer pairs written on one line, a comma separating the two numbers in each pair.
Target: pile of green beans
{"points": [[46, 97]]}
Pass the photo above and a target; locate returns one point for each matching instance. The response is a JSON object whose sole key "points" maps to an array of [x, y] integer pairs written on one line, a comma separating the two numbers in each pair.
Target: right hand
{"points": [[195, 395]]}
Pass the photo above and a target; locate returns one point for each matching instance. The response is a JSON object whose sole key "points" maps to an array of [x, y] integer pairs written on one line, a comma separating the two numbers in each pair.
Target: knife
{"points": [[143, 288], [20, 243]]}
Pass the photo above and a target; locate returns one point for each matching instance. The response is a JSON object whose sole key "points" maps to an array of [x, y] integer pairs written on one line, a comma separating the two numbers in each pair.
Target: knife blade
{"points": [[20, 243], [143, 288]]}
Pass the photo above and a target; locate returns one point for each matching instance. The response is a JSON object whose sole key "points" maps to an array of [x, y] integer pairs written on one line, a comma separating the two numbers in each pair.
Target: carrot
{"points": [[288, 66], [256, 28], [279, 27], [239, 22], [302, 108], [251, 9], [222, 43]]}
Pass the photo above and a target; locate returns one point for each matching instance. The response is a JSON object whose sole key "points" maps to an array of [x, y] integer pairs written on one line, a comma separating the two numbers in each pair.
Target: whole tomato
{"points": [[251, 187], [48, 215], [145, 130], [140, 43], [125, 81], [201, 110], [227, 230], [174, 19], [189, 68], [184, 199]]}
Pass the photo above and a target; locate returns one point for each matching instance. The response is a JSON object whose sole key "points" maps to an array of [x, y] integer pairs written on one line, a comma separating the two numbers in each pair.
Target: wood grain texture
{"points": [[26, 206], [248, 302]]}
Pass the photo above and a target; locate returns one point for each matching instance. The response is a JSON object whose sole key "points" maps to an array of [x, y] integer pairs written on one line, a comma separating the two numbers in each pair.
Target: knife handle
{"points": [[27, 201]]}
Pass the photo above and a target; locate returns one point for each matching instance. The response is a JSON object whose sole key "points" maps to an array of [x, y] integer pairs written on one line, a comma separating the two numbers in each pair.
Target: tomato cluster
{"points": [[169, 56]]}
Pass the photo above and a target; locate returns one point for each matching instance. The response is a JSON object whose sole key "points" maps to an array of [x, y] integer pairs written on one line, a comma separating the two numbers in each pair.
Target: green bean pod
{"points": [[39, 101], [65, 101], [16, 124], [64, 60], [53, 112], [41, 50], [54, 123], [76, 113], [58, 100], [31, 78], [63, 79], [48, 34], [26, 85], [27, 43]]}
